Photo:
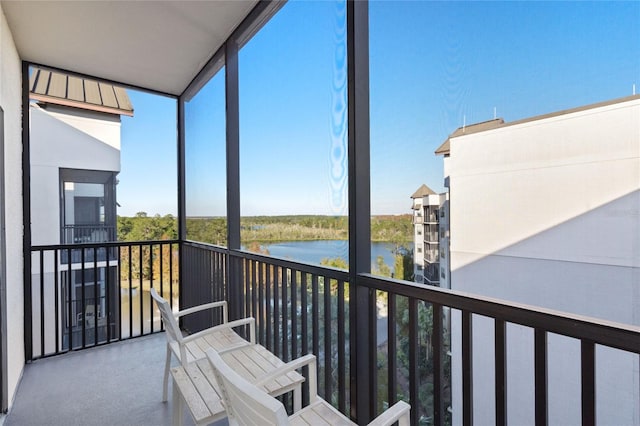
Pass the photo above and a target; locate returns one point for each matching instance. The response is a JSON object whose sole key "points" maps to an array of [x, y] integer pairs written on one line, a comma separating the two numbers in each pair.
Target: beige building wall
{"points": [[547, 212]]}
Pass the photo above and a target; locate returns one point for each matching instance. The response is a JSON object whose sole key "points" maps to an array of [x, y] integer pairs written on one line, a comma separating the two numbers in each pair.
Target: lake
{"points": [[315, 251]]}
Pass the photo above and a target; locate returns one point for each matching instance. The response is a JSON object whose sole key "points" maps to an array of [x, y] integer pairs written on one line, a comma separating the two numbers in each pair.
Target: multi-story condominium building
{"points": [[75, 158], [430, 237], [576, 252]]}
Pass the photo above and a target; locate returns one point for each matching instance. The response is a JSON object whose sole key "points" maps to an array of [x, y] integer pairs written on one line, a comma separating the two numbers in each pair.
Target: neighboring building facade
{"points": [[546, 212], [75, 158], [430, 237], [425, 223]]}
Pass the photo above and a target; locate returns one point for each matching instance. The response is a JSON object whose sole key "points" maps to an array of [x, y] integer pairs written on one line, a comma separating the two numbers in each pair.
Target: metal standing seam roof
{"points": [[467, 130], [72, 91], [424, 190], [499, 122]]}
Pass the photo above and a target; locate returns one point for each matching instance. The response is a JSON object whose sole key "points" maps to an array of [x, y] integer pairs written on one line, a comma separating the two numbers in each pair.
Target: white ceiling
{"points": [[159, 45]]}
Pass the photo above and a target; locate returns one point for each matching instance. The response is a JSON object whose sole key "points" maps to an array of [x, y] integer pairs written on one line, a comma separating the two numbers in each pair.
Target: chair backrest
{"points": [[89, 311], [172, 329], [245, 403]]}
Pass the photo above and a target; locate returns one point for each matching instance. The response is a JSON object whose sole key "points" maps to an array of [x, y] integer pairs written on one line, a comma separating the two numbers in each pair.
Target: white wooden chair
{"points": [[88, 316], [247, 404], [192, 347]]}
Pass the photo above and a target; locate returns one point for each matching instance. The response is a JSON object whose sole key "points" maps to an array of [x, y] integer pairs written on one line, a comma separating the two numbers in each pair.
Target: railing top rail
{"points": [[325, 271], [100, 245], [206, 246], [609, 333], [84, 225]]}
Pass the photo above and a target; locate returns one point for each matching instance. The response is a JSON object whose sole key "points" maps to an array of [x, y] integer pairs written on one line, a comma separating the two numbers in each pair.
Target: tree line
{"points": [[213, 230]]}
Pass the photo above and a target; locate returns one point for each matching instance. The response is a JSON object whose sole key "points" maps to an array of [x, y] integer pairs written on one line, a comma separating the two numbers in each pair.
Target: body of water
{"points": [[315, 251]]}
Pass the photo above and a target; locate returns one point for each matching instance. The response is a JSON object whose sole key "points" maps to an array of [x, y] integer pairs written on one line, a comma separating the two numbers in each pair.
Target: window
{"points": [[88, 212]]}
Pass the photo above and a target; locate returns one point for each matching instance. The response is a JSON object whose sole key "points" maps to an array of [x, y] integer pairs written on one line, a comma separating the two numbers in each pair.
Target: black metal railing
{"points": [[205, 277], [431, 273], [303, 309], [79, 234], [410, 329], [84, 295], [431, 255], [294, 305], [431, 237]]}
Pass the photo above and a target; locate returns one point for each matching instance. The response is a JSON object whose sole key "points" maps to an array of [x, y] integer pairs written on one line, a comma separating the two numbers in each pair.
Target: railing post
{"points": [[541, 382], [467, 368], [414, 349], [501, 371], [588, 370], [438, 353]]}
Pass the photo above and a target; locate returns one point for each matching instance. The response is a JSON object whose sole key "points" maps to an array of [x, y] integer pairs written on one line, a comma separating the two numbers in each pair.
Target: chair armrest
{"points": [[293, 365], [221, 304], [237, 323], [398, 412]]}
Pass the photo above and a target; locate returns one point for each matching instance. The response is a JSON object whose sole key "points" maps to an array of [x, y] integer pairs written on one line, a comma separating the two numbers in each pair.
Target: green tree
{"points": [[381, 268], [335, 262], [141, 227]]}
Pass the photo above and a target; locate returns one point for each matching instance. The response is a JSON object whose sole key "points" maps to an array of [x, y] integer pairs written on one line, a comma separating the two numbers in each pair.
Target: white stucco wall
{"points": [[11, 103], [77, 141], [547, 213], [100, 126]]}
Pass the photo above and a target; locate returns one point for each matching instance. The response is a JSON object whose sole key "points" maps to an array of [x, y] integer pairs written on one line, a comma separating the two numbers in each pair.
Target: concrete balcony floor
{"points": [[116, 384]]}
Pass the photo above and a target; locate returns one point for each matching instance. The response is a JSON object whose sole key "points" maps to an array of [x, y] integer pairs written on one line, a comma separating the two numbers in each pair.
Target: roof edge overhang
{"points": [[77, 104]]}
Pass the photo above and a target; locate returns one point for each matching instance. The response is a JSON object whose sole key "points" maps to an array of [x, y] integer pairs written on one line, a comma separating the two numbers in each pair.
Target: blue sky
{"points": [[148, 159], [433, 65]]}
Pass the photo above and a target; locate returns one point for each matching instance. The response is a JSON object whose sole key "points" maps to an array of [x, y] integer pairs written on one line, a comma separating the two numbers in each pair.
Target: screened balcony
{"points": [[377, 339]]}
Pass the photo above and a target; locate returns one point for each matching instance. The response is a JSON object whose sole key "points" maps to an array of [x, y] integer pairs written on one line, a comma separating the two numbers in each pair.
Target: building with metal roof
{"points": [[57, 88]]}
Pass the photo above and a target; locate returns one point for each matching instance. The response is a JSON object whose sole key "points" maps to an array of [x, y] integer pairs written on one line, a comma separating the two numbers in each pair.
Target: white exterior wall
{"points": [[444, 241], [11, 103], [547, 213], [100, 126], [65, 141]]}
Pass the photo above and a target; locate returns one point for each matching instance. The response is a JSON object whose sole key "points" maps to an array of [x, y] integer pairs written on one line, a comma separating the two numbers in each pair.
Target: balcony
{"points": [[431, 237], [294, 305], [78, 234], [431, 256], [431, 219], [377, 340], [110, 384]]}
